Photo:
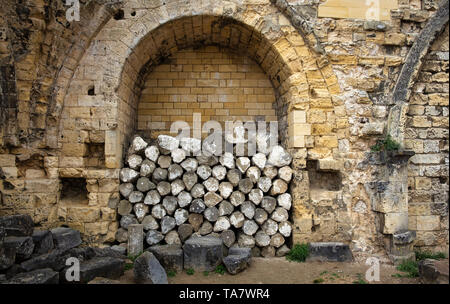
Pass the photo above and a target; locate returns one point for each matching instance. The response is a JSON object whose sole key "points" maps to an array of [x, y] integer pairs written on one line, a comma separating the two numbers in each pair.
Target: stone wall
{"points": [[70, 97], [427, 135]]}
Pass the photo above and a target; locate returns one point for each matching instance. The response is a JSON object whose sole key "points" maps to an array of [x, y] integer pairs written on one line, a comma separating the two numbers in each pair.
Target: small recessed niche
{"points": [[133, 13], [325, 180], [91, 91], [74, 191]]}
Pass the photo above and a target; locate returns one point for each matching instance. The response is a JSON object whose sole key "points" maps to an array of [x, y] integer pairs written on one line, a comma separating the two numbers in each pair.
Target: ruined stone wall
{"points": [[72, 95], [427, 135]]}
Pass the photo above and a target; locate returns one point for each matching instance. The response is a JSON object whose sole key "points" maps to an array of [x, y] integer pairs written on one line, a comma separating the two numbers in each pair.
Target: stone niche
{"points": [[74, 191]]}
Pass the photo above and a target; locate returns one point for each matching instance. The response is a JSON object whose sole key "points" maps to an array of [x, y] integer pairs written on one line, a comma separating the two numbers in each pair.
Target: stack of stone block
{"points": [[176, 188]]}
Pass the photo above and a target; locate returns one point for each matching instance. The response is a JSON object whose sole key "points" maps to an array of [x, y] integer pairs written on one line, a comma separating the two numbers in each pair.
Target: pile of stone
{"points": [[177, 188], [198, 253], [29, 256]]}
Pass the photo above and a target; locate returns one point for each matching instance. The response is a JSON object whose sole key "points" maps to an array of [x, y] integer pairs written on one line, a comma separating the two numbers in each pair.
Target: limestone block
{"points": [[395, 222]]}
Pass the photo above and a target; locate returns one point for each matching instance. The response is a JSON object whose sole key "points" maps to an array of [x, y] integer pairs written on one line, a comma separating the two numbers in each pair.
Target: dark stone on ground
{"points": [[23, 246], [109, 252], [53, 260], [238, 259], [17, 225], [203, 253], [13, 271], [330, 252], [106, 267], [2, 235], [433, 271], [39, 276], [169, 256], [65, 238], [147, 269], [56, 259], [7, 257], [43, 241]]}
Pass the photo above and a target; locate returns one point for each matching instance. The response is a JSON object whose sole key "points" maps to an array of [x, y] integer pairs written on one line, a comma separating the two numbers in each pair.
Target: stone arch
{"points": [[411, 68], [298, 74], [123, 51]]}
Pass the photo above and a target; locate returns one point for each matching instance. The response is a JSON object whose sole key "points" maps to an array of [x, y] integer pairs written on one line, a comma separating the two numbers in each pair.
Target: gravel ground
{"points": [[281, 271]]}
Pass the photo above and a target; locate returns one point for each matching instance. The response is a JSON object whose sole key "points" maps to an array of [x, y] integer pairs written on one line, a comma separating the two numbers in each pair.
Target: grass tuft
{"points": [[298, 253], [410, 267], [220, 269], [422, 255], [134, 257], [360, 280], [171, 273], [190, 271], [387, 144]]}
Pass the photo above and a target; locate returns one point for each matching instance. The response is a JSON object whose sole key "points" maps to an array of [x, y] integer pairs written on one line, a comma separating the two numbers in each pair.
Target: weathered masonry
{"points": [[338, 76]]}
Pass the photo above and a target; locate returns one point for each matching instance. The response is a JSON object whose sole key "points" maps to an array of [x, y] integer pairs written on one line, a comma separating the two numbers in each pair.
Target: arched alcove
{"points": [[101, 105]]}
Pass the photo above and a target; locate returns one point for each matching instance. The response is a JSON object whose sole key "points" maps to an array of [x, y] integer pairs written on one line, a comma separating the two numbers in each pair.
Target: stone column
{"points": [[389, 198], [135, 239]]}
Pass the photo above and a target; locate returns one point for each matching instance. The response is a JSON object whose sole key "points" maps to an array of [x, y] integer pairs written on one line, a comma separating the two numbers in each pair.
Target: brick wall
{"points": [[427, 134], [218, 84]]}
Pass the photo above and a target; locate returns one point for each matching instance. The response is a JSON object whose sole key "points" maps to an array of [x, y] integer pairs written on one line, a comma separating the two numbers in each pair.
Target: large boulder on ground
{"points": [[169, 256], [203, 253], [23, 246], [237, 260], [106, 267], [17, 225], [65, 238], [147, 269], [39, 276], [43, 241], [329, 252], [433, 271]]}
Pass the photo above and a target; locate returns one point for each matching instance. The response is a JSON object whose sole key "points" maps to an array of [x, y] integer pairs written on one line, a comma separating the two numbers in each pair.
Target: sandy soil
{"points": [[281, 271]]}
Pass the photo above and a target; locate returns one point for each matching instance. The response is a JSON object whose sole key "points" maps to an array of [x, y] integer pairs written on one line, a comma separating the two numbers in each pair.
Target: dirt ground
{"points": [[281, 271]]}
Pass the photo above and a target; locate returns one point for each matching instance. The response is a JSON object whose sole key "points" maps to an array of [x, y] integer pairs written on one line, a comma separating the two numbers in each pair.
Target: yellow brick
{"points": [[326, 141], [300, 129], [343, 59], [297, 117]]}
